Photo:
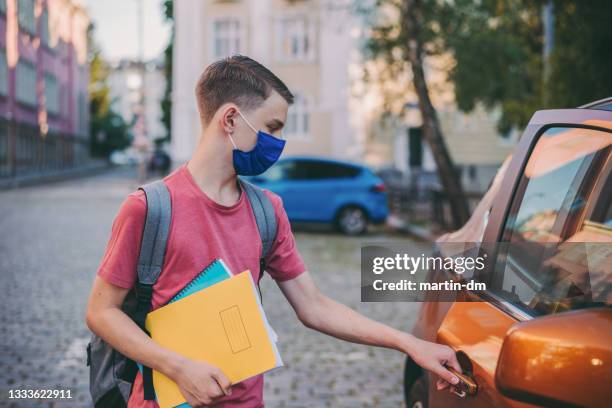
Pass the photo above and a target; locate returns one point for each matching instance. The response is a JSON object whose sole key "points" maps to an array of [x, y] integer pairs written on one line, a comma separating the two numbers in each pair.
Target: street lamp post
{"points": [[141, 142]]}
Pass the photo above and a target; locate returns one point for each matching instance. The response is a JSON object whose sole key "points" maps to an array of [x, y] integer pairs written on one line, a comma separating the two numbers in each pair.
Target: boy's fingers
{"points": [[454, 363], [447, 376], [441, 384], [224, 383]]}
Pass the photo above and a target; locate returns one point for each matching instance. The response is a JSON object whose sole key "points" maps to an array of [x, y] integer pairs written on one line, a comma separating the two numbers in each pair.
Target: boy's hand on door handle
{"points": [[433, 357]]}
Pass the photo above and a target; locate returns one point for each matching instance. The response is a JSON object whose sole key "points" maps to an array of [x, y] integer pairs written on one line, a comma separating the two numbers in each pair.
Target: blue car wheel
{"points": [[352, 220]]}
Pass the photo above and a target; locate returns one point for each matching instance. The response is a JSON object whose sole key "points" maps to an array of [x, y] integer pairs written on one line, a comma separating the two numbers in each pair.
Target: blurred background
{"points": [[404, 111]]}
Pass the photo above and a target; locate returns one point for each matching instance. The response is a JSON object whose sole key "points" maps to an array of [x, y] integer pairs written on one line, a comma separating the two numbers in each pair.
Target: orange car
{"points": [[541, 332]]}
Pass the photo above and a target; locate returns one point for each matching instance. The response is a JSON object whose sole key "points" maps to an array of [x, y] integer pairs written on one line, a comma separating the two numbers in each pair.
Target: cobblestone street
{"points": [[53, 237]]}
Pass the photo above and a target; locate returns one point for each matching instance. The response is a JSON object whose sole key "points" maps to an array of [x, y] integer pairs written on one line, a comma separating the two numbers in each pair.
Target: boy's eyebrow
{"points": [[275, 124]]}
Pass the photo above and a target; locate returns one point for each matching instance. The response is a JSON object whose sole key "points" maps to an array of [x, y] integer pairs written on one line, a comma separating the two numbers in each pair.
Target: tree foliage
{"points": [[497, 47], [108, 130], [401, 39], [581, 63]]}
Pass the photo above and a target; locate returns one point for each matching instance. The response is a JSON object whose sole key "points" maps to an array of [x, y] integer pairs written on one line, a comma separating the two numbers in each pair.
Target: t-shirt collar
{"points": [[205, 198]]}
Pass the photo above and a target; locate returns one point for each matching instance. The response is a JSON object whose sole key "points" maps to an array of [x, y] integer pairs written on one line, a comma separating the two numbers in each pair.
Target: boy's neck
{"points": [[212, 169]]}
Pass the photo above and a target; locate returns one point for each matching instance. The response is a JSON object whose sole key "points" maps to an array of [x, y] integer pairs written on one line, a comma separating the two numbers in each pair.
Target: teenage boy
{"points": [[243, 107]]}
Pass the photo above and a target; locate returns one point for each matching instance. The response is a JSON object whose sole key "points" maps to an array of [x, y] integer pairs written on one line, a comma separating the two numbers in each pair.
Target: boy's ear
{"points": [[228, 118]]}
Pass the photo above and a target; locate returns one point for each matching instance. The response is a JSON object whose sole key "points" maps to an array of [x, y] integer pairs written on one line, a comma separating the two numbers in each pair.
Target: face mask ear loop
{"points": [[247, 122], [232, 140]]}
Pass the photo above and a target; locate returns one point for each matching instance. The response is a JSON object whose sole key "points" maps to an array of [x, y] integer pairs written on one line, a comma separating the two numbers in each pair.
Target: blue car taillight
{"points": [[378, 188]]}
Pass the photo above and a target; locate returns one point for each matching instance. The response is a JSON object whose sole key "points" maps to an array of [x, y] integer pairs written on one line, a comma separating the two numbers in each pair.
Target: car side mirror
{"points": [[559, 360]]}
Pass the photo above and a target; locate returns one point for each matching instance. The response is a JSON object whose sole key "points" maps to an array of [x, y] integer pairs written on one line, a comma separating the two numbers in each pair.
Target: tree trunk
{"points": [[412, 17]]}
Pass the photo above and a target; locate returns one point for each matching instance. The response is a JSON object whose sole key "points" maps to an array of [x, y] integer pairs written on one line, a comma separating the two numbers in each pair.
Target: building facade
{"points": [[44, 103], [126, 84], [307, 43], [315, 46]]}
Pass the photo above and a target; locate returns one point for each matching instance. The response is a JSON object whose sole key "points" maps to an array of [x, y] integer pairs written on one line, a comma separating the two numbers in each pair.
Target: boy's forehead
{"points": [[275, 105]]}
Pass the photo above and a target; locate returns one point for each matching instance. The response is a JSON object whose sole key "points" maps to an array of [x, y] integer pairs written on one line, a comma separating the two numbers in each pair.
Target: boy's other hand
{"points": [[201, 383]]}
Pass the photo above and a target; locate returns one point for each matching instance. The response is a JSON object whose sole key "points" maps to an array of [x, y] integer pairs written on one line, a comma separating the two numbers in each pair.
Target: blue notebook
{"points": [[216, 272]]}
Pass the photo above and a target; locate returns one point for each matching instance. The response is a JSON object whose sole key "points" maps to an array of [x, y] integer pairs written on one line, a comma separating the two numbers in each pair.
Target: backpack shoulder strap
{"points": [[264, 215], [150, 263], [155, 234]]}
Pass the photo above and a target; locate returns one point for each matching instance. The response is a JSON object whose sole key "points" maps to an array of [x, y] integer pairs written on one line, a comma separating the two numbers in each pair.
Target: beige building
{"points": [[473, 141], [306, 43], [314, 46]]}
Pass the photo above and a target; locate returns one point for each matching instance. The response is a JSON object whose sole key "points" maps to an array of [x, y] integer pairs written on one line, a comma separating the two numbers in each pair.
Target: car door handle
{"points": [[466, 385]]}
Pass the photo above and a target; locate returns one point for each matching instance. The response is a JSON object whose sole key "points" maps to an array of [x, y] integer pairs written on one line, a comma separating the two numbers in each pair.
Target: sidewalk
{"points": [[91, 168], [421, 232]]}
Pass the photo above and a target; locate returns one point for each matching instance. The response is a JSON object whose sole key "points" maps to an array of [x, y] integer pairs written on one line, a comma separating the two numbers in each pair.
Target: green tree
{"points": [[108, 129], [498, 49], [402, 36], [581, 62]]}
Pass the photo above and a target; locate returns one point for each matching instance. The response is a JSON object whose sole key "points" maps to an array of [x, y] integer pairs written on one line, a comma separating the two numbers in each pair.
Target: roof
{"points": [[324, 159], [602, 104]]}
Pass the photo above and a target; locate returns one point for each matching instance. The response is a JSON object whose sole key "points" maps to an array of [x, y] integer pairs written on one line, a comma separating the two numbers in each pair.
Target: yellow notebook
{"points": [[223, 325]]}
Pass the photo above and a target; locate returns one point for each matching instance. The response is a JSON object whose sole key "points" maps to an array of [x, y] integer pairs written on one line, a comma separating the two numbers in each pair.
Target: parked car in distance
{"points": [[540, 334], [315, 189], [160, 162], [126, 157]]}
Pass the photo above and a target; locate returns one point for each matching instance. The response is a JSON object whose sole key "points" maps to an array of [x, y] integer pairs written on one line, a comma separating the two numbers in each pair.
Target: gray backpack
{"points": [[112, 374]]}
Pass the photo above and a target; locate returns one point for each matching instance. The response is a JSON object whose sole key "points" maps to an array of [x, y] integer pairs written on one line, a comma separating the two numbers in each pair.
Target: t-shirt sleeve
{"points": [[284, 261], [118, 265]]}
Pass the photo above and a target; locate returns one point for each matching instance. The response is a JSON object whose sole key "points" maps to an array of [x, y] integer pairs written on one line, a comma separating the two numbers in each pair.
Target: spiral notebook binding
{"points": [[195, 280]]}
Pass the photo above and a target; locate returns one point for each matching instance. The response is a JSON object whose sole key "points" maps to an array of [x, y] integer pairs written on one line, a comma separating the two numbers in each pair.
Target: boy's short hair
{"points": [[238, 79]]}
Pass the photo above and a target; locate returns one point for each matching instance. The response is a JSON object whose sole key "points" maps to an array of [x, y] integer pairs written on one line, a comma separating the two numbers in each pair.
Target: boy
{"points": [[243, 107]]}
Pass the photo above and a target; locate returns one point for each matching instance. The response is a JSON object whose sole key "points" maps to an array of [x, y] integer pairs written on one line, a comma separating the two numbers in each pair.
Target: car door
{"points": [[552, 227], [280, 179], [317, 188]]}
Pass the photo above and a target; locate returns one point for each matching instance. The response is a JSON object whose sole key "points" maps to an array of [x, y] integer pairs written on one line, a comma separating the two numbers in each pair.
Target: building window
{"points": [[27, 21], [298, 118], [296, 39], [44, 27], [52, 97], [3, 72], [26, 83], [226, 37]]}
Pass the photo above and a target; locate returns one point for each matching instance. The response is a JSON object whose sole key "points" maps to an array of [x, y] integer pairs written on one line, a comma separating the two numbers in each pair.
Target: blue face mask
{"points": [[266, 152]]}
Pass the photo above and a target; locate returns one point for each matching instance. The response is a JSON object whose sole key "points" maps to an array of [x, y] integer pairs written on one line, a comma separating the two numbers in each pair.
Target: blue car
{"points": [[321, 190]]}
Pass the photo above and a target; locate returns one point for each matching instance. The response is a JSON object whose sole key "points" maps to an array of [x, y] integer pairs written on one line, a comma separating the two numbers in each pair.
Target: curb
{"points": [[421, 233], [55, 176]]}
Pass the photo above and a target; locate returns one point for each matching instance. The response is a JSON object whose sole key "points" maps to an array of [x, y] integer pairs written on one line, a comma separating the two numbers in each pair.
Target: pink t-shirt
{"points": [[200, 231]]}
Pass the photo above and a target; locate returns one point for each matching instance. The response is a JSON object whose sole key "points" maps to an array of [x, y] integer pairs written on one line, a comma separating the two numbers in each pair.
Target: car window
{"points": [[556, 251], [319, 170], [281, 171]]}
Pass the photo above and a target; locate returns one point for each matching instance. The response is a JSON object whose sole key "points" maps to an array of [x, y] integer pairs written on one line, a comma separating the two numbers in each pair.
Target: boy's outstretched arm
{"points": [[319, 312]]}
